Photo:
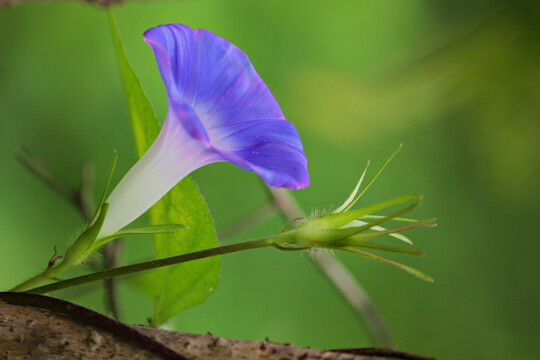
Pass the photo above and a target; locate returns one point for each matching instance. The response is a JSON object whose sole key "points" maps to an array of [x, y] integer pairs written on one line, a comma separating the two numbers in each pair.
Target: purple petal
{"points": [[217, 97]]}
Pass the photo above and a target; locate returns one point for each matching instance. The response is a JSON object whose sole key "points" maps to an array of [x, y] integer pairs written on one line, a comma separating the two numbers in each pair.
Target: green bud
{"points": [[344, 229]]}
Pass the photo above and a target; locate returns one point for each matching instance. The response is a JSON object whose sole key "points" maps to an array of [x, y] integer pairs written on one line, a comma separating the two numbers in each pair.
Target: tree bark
{"points": [[30, 333]]}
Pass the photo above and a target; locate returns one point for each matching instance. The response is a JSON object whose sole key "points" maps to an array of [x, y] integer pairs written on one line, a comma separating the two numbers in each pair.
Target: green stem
{"points": [[148, 265], [44, 276]]}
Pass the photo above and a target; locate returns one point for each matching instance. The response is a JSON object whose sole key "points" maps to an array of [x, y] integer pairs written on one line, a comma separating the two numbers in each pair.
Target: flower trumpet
{"points": [[219, 109]]}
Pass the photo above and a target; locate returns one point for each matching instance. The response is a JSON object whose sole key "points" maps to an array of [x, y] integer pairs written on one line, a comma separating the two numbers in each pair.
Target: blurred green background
{"points": [[457, 82]]}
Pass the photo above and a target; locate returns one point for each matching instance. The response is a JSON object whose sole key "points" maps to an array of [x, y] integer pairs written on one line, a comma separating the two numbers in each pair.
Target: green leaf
{"points": [[178, 287]]}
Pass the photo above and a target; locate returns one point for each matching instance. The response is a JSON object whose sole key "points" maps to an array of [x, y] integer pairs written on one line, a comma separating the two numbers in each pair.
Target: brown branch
{"points": [[69, 331], [83, 317], [385, 353]]}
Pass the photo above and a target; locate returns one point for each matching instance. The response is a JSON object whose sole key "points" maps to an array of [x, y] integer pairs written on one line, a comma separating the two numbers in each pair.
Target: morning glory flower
{"points": [[219, 109]]}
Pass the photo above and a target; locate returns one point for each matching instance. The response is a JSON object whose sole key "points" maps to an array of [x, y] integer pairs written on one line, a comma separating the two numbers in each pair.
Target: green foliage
{"points": [[178, 287]]}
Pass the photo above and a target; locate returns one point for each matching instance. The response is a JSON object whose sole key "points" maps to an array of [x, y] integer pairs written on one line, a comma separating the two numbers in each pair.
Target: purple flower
{"points": [[219, 109]]}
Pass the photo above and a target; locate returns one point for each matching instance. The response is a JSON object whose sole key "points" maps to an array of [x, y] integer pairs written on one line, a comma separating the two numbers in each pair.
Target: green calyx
{"points": [[83, 246], [88, 241]]}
